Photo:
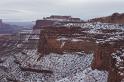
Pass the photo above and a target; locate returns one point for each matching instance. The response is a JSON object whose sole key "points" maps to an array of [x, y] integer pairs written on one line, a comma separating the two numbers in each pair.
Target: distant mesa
{"points": [[1, 23], [117, 18], [7, 28], [56, 20]]}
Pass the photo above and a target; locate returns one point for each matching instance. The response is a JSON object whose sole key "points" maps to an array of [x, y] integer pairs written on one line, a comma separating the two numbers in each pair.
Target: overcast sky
{"points": [[30, 10]]}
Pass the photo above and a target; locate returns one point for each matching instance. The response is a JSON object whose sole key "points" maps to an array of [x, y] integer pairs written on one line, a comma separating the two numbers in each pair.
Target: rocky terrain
{"points": [[116, 18], [91, 52]]}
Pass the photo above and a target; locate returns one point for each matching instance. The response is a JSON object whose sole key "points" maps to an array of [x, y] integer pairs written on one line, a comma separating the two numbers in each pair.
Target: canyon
{"points": [[64, 49]]}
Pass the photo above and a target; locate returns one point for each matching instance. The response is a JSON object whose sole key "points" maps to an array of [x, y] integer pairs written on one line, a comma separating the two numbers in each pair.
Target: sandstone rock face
{"points": [[103, 60], [62, 39], [114, 18], [100, 41], [43, 23]]}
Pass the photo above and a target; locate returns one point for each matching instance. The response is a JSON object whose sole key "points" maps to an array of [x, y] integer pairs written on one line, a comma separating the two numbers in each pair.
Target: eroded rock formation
{"points": [[64, 39]]}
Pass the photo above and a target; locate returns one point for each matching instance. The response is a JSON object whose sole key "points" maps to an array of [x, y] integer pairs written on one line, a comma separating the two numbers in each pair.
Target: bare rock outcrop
{"points": [[115, 18]]}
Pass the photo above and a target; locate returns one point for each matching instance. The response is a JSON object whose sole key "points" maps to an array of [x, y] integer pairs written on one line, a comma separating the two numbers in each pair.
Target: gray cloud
{"points": [[9, 11], [35, 9]]}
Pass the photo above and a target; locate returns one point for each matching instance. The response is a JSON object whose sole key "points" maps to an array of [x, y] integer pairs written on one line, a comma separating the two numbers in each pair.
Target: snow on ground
{"points": [[88, 75], [97, 25], [62, 66], [119, 63], [66, 64], [69, 67]]}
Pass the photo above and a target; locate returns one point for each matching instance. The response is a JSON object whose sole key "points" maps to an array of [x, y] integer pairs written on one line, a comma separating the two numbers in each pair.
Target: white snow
{"points": [[88, 75], [76, 40], [62, 38], [63, 43]]}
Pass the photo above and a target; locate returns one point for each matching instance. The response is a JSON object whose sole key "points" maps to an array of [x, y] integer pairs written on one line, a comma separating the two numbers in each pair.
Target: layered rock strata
{"points": [[78, 39]]}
